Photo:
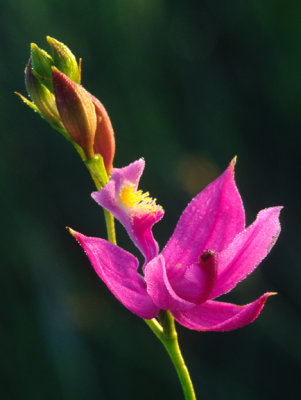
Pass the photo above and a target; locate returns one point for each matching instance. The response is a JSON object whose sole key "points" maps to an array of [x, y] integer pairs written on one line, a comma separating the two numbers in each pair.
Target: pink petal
{"points": [[137, 222], [140, 231], [108, 196], [160, 289], [247, 250], [211, 221], [118, 270], [218, 316]]}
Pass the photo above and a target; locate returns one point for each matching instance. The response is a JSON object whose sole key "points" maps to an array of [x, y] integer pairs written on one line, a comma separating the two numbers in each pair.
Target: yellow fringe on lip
{"points": [[138, 201]]}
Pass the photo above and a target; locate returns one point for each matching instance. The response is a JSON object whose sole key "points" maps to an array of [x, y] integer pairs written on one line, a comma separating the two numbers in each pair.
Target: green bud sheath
{"points": [[76, 111], [64, 59], [41, 64], [41, 96]]}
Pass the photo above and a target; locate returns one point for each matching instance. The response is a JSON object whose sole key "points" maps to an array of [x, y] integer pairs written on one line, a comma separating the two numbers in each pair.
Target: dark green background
{"points": [[188, 85]]}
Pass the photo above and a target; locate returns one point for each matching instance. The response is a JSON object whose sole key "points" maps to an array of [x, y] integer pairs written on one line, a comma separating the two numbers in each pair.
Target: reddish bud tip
{"points": [[104, 143], [76, 110]]}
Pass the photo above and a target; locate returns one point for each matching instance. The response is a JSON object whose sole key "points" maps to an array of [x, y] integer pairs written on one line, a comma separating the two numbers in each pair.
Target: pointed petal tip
{"points": [[278, 208], [94, 194], [140, 162], [135, 170], [261, 302], [273, 210], [232, 165], [234, 161], [137, 164], [74, 233], [217, 316], [268, 294], [70, 230]]}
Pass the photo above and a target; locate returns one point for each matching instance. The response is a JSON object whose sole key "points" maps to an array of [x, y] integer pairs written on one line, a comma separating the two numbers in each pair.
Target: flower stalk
{"points": [[96, 167], [168, 336]]}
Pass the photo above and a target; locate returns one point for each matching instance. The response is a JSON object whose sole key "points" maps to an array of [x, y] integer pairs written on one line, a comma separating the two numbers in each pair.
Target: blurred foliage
{"points": [[188, 85]]}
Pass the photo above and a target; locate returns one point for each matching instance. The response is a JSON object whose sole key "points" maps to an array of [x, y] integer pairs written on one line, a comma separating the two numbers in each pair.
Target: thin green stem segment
{"points": [[99, 175], [172, 346], [167, 334], [165, 331], [110, 223]]}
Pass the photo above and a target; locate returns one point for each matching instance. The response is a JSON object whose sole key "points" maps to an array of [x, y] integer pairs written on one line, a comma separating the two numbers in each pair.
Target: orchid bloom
{"points": [[209, 252]]}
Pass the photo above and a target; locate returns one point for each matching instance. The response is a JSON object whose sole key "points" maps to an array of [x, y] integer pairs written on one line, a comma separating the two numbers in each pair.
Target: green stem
{"points": [[110, 223], [169, 338], [172, 346], [155, 327], [166, 332], [99, 175]]}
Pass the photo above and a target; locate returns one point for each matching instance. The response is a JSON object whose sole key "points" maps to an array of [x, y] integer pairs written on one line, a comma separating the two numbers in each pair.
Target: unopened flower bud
{"points": [[104, 143], [64, 59], [76, 110], [41, 64], [41, 96]]}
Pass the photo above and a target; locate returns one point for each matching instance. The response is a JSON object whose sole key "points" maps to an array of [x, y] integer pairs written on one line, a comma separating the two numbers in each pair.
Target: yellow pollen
{"points": [[138, 201]]}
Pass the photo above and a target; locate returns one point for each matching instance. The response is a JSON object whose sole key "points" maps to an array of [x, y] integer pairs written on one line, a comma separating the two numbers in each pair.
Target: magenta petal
{"points": [[118, 270], [140, 231], [210, 221], [160, 289], [218, 316], [247, 250], [138, 219]]}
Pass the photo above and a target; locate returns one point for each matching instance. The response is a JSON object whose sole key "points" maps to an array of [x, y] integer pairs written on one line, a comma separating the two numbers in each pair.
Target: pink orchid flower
{"points": [[209, 252]]}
